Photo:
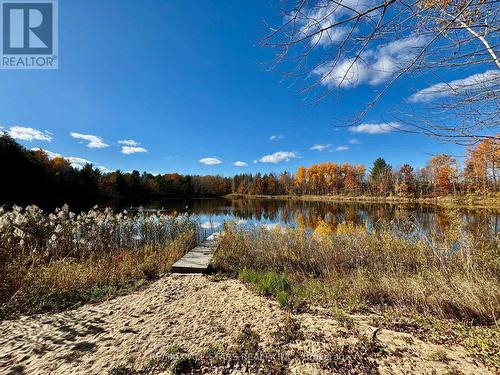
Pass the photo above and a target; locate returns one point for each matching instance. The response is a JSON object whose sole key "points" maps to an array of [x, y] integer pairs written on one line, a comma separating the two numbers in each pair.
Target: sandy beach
{"points": [[195, 313]]}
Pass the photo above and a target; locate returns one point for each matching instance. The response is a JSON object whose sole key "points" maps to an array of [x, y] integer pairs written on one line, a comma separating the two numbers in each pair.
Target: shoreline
{"points": [[452, 201]]}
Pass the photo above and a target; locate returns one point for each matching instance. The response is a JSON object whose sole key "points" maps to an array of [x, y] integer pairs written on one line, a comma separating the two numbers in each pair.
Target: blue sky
{"points": [[184, 81]]}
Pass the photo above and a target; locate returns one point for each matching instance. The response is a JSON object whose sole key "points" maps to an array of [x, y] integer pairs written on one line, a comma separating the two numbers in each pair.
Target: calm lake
{"points": [[423, 219]]}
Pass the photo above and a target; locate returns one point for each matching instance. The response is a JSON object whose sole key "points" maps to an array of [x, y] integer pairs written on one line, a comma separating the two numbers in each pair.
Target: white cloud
{"points": [[28, 134], [375, 128], [240, 164], [347, 73], [103, 169], [278, 157], [480, 81], [342, 148], [320, 147], [326, 13], [128, 142], [127, 150], [374, 66], [77, 163], [210, 161], [129, 146], [93, 140], [354, 141], [276, 137]]}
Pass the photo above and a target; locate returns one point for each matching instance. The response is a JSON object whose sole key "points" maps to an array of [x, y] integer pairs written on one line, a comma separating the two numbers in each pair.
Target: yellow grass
{"points": [[61, 260], [452, 276]]}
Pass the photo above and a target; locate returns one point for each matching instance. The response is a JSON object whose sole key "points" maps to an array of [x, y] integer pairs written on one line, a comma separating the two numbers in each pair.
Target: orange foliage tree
{"points": [[444, 173], [481, 165]]}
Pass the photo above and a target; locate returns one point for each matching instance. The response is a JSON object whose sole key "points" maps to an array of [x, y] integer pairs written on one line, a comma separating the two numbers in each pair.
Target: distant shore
{"points": [[448, 201]]}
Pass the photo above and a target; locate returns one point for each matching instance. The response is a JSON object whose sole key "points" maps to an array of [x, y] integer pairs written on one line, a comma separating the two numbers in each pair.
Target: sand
{"points": [[194, 312]]}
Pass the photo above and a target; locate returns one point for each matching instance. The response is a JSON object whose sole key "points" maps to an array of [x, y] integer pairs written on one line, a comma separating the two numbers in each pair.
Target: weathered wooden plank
{"points": [[198, 260]]}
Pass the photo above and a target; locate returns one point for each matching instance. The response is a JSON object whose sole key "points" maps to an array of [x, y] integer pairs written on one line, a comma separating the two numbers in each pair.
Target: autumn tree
{"points": [[259, 184], [444, 179], [353, 177], [444, 173], [406, 180], [301, 179], [61, 164], [285, 183], [315, 178], [330, 178], [482, 163]]}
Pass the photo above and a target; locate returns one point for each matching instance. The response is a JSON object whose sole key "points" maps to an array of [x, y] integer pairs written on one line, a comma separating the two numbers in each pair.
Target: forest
{"points": [[31, 177]]}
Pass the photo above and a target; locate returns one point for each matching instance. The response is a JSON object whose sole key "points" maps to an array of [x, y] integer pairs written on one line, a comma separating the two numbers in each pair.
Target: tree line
{"points": [[441, 176], [32, 177]]}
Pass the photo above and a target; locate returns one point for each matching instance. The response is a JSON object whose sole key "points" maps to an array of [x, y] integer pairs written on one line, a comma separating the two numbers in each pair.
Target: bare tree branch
{"points": [[338, 45]]}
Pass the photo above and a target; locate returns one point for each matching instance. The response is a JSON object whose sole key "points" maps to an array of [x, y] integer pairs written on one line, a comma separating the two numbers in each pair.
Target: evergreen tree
{"points": [[380, 166]]}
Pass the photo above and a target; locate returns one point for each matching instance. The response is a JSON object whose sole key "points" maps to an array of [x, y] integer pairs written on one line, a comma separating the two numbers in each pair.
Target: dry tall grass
{"points": [[452, 275], [58, 260]]}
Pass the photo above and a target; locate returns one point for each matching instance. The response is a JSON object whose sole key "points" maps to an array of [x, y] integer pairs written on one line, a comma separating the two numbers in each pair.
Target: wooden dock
{"points": [[198, 260]]}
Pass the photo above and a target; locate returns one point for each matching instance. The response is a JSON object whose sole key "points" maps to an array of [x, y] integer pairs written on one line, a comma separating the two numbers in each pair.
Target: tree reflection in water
{"points": [[308, 214]]}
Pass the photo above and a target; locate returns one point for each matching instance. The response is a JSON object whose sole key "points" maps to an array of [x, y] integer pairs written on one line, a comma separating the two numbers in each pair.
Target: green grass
{"points": [[268, 283]]}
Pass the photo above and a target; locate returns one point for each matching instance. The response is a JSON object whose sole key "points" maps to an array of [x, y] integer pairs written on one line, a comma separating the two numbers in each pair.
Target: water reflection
{"points": [[213, 212]]}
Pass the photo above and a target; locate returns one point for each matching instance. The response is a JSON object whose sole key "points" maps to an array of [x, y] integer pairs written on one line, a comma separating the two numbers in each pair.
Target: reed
{"points": [[62, 259], [450, 275]]}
